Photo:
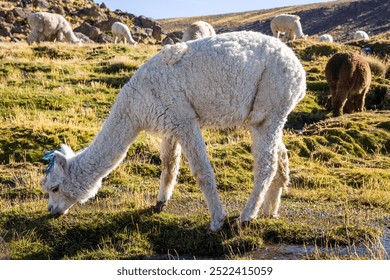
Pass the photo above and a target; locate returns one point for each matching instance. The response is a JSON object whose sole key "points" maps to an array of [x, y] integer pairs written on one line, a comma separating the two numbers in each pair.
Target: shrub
{"points": [[377, 66], [387, 74]]}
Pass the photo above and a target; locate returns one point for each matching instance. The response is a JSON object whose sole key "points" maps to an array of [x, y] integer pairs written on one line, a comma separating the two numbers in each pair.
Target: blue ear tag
{"points": [[50, 156]]}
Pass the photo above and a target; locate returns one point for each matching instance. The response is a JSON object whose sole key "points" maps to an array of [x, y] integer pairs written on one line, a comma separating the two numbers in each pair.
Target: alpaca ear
{"points": [[67, 150], [61, 160]]}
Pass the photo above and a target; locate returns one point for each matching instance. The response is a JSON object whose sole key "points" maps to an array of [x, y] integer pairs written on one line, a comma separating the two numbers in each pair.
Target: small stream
{"points": [[381, 250]]}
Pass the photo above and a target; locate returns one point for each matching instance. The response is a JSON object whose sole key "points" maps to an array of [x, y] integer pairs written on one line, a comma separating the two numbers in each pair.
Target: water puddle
{"points": [[378, 250]]}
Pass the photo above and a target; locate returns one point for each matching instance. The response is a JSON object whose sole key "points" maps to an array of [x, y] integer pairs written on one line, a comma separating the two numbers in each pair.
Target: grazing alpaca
{"points": [[349, 79], [198, 30], [361, 35], [222, 81], [325, 38], [50, 27], [290, 25], [121, 31]]}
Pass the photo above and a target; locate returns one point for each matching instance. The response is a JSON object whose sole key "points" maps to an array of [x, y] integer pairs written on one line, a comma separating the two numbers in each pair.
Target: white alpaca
{"points": [[361, 35], [289, 25], [119, 31], [50, 27], [198, 30], [223, 81], [325, 38]]}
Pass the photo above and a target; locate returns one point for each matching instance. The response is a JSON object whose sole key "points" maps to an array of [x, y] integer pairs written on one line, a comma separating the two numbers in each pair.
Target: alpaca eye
{"points": [[55, 189]]}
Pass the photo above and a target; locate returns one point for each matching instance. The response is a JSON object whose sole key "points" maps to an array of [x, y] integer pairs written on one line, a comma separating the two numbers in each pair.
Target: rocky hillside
{"points": [[339, 18], [92, 22]]}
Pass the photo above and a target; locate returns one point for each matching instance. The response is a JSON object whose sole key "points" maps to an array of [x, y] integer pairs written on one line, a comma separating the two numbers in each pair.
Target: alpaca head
{"points": [[58, 180]]}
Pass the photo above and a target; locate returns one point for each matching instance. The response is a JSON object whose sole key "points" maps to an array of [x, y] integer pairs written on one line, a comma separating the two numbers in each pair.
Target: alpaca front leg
{"points": [[265, 154], [194, 149], [170, 159], [270, 206]]}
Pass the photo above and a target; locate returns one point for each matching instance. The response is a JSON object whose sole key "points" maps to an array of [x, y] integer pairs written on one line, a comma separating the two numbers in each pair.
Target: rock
{"points": [[103, 6], [21, 12], [145, 22], [57, 9], [172, 38], [91, 31], [104, 38], [93, 12], [105, 26], [167, 41], [5, 29], [149, 23], [83, 38], [157, 32], [43, 4], [9, 17], [20, 29]]}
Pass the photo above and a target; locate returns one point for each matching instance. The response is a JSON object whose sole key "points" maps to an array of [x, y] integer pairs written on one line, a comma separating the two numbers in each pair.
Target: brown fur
{"points": [[349, 79]]}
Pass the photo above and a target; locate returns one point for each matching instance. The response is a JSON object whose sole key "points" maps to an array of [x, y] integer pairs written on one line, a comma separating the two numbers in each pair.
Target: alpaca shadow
{"points": [[67, 239]]}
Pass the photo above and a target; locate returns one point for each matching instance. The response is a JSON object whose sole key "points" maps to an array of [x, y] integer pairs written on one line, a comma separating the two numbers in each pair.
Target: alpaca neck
{"points": [[110, 145], [129, 38], [298, 30]]}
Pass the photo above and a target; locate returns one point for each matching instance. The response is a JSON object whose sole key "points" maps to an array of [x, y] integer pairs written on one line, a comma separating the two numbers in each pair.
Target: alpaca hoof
{"points": [[239, 223], [159, 206], [216, 225]]}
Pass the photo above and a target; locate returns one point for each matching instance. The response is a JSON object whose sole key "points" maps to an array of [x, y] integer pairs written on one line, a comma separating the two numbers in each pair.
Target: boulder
{"points": [[145, 22], [43, 4], [104, 38], [57, 9], [21, 12], [83, 38], [91, 31], [94, 12], [149, 23], [105, 25], [172, 38]]}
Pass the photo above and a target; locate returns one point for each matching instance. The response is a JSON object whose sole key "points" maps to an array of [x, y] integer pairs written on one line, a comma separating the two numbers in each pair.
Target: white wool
{"points": [[290, 25], [360, 35], [326, 38], [198, 30], [49, 27], [232, 79], [171, 54], [121, 31]]}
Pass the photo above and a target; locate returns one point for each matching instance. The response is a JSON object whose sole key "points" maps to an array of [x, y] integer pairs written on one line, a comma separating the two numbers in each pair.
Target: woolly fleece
{"points": [[227, 80]]}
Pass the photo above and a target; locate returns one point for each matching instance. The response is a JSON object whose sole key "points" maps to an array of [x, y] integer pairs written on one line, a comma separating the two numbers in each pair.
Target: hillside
{"points": [[90, 22], [56, 93], [339, 18]]}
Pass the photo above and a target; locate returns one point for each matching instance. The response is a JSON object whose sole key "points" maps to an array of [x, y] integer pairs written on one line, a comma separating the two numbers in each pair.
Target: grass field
{"points": [[58, 93]]}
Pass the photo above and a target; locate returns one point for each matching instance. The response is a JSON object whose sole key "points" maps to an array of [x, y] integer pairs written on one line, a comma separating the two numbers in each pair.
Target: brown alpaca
{"points": [[349, 78]]}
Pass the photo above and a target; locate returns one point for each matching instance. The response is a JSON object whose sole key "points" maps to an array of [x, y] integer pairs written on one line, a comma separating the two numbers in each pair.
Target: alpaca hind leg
{"points": [[359, 101], [338, 102], [192, 143], [170, 160], [266, 137], [271, 202]]}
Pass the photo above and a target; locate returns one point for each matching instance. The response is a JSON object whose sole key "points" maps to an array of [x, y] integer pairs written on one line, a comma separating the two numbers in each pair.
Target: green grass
{"points": [[59, 93]]}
